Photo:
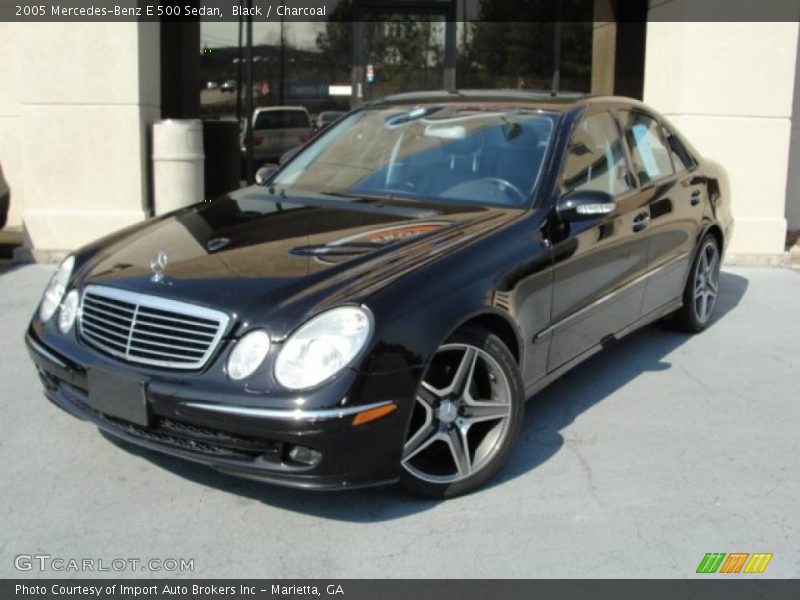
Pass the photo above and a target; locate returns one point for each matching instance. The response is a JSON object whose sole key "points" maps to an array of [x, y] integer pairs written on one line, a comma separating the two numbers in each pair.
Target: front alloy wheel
{"points": [[467, 415]]}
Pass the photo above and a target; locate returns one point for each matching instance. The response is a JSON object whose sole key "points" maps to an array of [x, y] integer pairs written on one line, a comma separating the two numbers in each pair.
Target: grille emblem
{"points": [[158, 265]]}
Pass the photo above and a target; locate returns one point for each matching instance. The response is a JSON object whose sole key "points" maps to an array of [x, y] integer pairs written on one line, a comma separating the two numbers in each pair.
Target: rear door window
{"points": [[651, 158]]}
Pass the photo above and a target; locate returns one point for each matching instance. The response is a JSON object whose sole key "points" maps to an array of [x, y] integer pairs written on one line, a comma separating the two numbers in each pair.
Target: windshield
{"points": [[489, 155]]}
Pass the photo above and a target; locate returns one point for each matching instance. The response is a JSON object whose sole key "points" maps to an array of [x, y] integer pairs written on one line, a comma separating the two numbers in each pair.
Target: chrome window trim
{"points": [[158, 303], [610, 296]]}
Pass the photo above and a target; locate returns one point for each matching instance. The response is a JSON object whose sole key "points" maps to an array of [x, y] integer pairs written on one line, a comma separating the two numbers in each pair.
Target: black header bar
{"points": [[356, 10]]}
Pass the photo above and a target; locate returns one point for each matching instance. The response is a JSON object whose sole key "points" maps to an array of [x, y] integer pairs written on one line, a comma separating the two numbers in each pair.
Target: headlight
{"points": [[248, 354], [322, 347], [55, 289], [69, 310]]}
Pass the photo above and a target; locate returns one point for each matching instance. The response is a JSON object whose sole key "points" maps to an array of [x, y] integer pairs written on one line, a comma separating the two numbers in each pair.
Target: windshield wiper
{"points": [[336, 200], [359, 195]]}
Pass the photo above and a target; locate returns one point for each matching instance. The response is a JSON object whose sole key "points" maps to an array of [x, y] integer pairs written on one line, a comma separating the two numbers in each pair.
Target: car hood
{"points": [[253, 252]]}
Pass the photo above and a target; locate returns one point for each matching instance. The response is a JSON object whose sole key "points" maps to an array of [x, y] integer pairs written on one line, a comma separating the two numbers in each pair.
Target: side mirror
{"points": [[265, 173], [585, 205]]}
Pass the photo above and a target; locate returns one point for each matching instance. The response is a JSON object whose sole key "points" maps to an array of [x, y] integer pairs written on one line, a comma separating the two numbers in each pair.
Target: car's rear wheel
{"points": [[467, 416], [702, 288]]}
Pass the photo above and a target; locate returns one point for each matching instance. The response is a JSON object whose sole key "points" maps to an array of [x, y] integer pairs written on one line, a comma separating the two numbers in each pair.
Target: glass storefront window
{"points": [[328, 68]]}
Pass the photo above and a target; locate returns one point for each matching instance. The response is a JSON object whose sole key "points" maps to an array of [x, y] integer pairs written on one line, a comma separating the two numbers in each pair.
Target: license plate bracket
{"points": [[118, 396]]}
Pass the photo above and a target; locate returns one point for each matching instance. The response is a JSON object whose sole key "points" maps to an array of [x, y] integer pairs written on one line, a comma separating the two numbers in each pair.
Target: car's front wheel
{"points": [[467, 416]]}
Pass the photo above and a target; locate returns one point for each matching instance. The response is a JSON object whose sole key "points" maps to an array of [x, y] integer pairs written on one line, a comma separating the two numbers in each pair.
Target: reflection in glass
{"points": [[482, 154]]}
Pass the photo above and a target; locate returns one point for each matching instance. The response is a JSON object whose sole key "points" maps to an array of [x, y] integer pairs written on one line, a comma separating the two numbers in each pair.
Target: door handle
{"points": [[641, 221], [696, 198]]}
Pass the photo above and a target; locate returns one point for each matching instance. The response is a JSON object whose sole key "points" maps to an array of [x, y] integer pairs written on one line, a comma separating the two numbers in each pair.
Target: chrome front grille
{"points": [[149, 329]]}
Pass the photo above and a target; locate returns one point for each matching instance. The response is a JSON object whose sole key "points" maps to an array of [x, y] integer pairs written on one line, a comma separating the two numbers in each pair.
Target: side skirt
{"points": [[652, 316]]}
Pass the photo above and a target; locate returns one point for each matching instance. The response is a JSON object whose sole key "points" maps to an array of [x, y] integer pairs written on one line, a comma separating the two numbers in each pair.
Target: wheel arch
{"points": [[498, 324], [715, 230]]}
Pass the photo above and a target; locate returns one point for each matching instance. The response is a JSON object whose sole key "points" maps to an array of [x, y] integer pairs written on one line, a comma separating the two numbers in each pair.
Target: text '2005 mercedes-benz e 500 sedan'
{"points": [[379, 308]]}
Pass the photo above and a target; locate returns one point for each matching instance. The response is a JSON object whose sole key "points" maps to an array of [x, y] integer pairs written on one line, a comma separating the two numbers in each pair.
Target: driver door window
{"points": [[595, 158]]}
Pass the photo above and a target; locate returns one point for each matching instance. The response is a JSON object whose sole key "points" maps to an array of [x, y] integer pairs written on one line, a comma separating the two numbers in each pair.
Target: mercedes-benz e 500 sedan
{"points": [[379, 309]]}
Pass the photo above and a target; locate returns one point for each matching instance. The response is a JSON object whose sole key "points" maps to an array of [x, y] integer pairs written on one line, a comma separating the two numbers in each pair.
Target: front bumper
{"points": [[245, 440]]}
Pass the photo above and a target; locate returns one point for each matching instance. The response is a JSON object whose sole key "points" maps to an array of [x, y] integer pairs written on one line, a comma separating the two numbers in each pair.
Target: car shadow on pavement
{"points": [[358, 505], [557, 406], [547, 414]]}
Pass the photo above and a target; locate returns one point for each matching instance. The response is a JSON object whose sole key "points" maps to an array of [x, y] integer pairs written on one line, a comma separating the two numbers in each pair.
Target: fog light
{"points": [[248, 354], [306, 456]]}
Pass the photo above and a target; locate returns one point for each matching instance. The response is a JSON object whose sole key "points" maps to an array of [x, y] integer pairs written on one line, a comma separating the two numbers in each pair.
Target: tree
{"points": [[504, 51], [335, 43]]}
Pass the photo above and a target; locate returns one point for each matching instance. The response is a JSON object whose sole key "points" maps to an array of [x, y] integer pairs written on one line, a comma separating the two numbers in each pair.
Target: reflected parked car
{"points": [[382, 306], [229, 85], [277, 129], [328, 117], [5, 199]]}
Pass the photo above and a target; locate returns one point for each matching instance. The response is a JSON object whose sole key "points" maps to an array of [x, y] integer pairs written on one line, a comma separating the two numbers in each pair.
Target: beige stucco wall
{"points": [[793, 185], [729, 88], [74, 131], [10, 117]]}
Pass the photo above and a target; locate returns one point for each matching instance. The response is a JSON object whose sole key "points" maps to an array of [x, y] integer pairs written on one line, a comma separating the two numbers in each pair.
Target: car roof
{"points": [[271, 108], [558, 102]]}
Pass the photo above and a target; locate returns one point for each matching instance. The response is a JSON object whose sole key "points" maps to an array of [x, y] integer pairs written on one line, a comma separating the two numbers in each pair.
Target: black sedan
{"points": [[380, 308]]}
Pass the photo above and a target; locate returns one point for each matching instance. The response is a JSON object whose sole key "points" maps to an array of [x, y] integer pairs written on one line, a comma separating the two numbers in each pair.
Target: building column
{"points": [[604, 58], [89, 93], [729, 88], [11, 117], [793, 185]]}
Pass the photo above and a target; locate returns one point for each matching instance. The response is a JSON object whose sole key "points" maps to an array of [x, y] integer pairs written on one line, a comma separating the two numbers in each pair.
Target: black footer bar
{"points": [[388, 589]]}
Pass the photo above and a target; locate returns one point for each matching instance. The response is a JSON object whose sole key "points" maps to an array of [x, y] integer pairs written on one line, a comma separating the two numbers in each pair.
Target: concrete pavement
{"points": [[653, 453]]}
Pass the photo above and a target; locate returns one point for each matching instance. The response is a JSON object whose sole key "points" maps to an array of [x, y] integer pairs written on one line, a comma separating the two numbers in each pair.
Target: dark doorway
{"points": [[180, 70]]}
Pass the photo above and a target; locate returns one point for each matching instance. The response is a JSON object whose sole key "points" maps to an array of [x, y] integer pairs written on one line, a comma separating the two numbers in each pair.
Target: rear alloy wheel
{"points": [[467, 416], [702, 288]]}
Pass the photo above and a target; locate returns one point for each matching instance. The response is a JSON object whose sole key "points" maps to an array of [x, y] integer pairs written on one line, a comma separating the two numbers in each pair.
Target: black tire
{"points": [[690, 317], [491, 345]]}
